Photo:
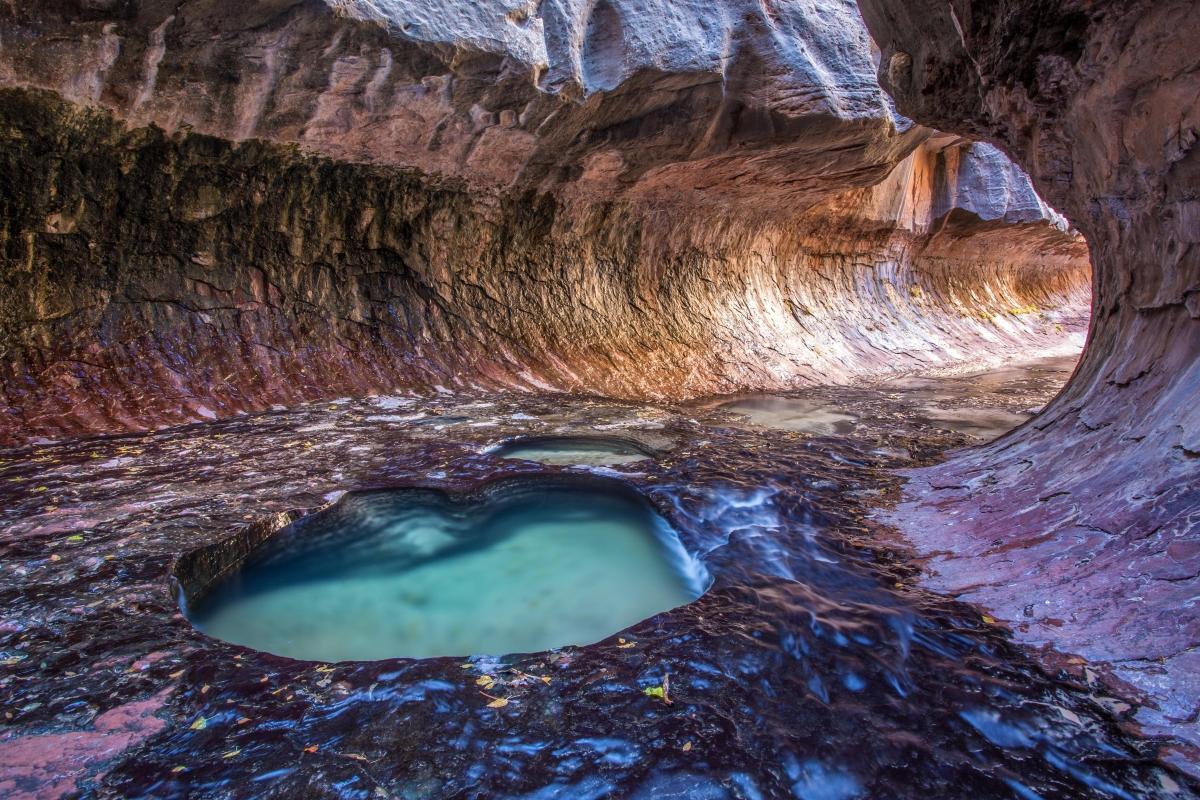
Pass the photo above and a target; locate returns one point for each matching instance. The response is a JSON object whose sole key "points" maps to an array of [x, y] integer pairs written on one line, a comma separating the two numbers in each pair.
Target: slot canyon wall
{"points": [[1083, 528], [208, 211], [234, 277]]}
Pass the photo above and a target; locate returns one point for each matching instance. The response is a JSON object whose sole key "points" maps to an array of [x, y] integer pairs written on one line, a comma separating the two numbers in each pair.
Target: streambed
{"points": [[814, 667]]}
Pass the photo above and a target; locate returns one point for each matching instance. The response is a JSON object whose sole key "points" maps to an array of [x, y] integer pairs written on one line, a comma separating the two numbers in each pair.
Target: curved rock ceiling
{"points": [[638, 200]]}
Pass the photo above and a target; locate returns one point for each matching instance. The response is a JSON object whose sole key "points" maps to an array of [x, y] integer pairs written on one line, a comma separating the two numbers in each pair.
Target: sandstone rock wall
{"points": [[657, 99], [1092, 509], [152, 279]]}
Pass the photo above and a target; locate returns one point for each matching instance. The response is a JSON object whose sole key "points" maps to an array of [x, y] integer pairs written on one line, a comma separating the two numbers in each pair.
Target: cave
{"points": [[709, 400]]}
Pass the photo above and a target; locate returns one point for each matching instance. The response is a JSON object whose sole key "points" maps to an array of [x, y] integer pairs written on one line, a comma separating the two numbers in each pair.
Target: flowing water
{"points": [[412, 573]]}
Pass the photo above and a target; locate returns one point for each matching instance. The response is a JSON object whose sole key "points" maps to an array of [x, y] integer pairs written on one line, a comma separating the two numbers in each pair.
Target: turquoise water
{"points": [[413, 573], [594, 452]]}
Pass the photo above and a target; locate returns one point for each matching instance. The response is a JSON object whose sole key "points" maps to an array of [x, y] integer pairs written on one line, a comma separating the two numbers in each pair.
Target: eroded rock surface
{"points": [[649, 99], [642, 200], [152, 279], [815, 664], [1092, 510]]}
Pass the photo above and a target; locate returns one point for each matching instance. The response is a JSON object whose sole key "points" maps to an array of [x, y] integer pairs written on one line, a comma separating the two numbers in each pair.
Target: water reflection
{"points": [[792, 414]]}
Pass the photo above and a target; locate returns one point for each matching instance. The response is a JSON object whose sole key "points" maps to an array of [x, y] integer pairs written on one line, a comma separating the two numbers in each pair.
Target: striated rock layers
{"points": [[151, 279], [1083, 528], [655, 99], [287, 201]]}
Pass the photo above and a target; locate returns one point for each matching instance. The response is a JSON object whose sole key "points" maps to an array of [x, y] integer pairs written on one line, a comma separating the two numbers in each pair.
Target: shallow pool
{"points": [[792, 414], [570, 451], [525, 566]]}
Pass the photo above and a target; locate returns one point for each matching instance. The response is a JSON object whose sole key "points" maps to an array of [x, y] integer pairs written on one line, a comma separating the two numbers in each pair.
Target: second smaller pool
{"points": [[586, 451]]}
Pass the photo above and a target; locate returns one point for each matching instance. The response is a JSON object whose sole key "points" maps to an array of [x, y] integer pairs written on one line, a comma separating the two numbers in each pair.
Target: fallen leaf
{"points": [[989, 620], [76, 538], [499, 702], [312, 748], [200, 724], [687, 746], [231, 753], [178, 770], [622, 644], [243, 720], [661, 692]]}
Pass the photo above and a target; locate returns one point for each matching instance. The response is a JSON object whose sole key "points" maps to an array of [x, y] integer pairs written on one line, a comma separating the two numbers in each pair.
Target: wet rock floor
{"points": [[815, 667]]}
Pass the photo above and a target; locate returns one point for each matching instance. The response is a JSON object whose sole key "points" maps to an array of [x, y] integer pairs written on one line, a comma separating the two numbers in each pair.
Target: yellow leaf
{"points": [[546, 679], [499, 702], [687, 746], [467, 665], [325, 668], [243, 720], [178, 770], [231, 753], [312, 748], [485, 681], [200, 724], [621, 643], [989, 620]]}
